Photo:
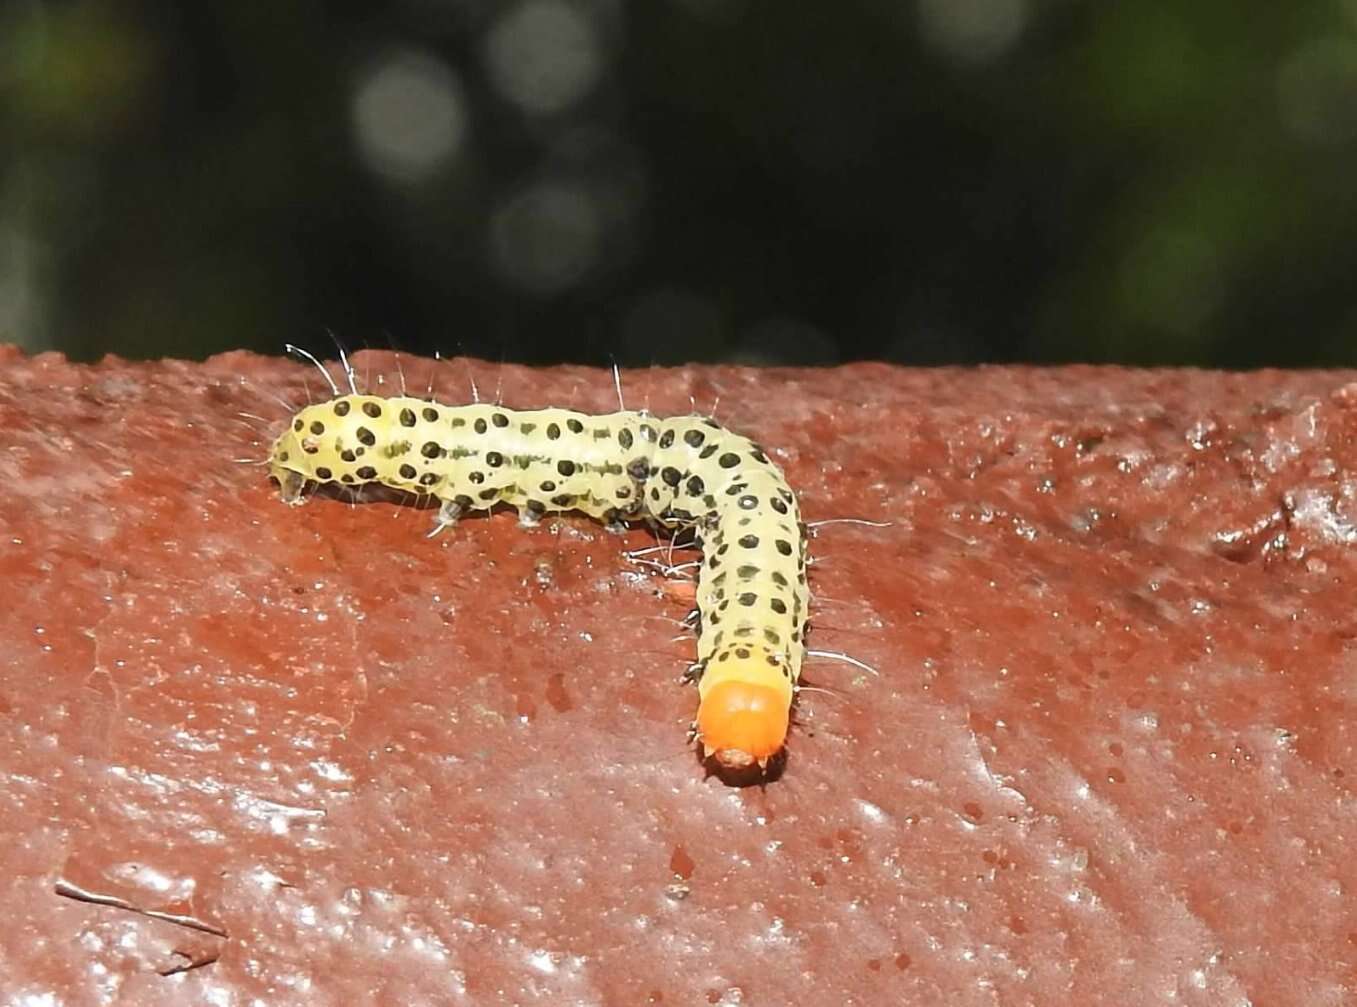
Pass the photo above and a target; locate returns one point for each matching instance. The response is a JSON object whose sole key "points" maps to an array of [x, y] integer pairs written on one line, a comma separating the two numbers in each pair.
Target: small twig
{"points": [[67, 890], [189, 963]]}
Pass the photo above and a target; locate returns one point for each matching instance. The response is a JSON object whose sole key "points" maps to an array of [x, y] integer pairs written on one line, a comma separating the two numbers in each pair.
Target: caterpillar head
{"points": [[746, 698]]}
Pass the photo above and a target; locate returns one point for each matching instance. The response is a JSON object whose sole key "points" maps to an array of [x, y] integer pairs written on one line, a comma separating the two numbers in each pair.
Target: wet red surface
{"points": [[310, 756]]}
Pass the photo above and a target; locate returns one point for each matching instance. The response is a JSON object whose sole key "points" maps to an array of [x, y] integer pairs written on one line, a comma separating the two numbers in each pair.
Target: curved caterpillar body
{"points": [[685, 472]]}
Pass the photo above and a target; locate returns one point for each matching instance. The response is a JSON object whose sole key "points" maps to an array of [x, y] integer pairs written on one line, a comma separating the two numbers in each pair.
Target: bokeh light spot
{"points": [[972, 31], [1171, 280], [671, 325], [544, 55], [546, 238], [21, 309], [716, 11], [1317, 91], [409, 116], [786, 341]]}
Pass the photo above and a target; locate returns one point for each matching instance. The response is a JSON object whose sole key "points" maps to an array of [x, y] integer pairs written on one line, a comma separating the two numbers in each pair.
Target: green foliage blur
{"points": [[925, 181]]}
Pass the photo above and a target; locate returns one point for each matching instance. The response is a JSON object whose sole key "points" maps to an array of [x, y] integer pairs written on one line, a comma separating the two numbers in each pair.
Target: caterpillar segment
{"points": [[684, 472]]}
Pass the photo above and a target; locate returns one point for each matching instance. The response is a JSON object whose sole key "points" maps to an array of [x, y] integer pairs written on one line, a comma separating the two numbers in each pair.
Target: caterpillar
{"points": [[687, 472]]}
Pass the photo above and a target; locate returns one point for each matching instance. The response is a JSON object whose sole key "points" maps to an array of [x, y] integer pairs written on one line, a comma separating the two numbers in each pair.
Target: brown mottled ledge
{"points": [[1108, 757]]}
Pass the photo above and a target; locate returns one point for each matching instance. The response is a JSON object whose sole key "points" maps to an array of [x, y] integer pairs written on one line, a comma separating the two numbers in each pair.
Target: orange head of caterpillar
{"points": [[746, 697]]}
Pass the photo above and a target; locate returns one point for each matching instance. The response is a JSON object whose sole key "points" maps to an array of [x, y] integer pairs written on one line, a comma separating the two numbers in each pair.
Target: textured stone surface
{"points": [[1108, 758]]}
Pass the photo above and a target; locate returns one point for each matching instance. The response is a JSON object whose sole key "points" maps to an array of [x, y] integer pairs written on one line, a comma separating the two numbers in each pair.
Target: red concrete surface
{"points": [[1108, 758]]}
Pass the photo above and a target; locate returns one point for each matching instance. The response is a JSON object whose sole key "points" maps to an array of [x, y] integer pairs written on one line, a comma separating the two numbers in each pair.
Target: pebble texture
{"points": [[253, 753]]}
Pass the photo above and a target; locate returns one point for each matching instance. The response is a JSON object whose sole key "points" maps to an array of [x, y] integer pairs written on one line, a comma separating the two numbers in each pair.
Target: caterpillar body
{"points": [[685, 472]]}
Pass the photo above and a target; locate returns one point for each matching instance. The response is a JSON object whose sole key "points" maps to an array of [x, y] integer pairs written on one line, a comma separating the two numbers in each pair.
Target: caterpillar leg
{"points": [[448, 513], [691, 676], [615, 522], [291, 487], [528, 517]]}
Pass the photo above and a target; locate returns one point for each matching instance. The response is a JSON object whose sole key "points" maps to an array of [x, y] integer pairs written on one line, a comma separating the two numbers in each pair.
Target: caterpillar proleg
{"points": [[685, 472]]}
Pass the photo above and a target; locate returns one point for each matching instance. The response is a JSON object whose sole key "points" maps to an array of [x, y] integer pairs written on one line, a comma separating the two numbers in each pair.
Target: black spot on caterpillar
{"points": [[684, 472]]}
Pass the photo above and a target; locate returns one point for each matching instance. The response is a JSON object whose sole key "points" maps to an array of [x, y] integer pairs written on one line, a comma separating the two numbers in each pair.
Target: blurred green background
{"points": [[926, 181]]}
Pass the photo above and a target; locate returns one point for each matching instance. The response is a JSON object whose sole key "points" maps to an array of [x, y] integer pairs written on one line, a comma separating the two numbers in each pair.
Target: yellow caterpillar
{"points": [[686, 472]]}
